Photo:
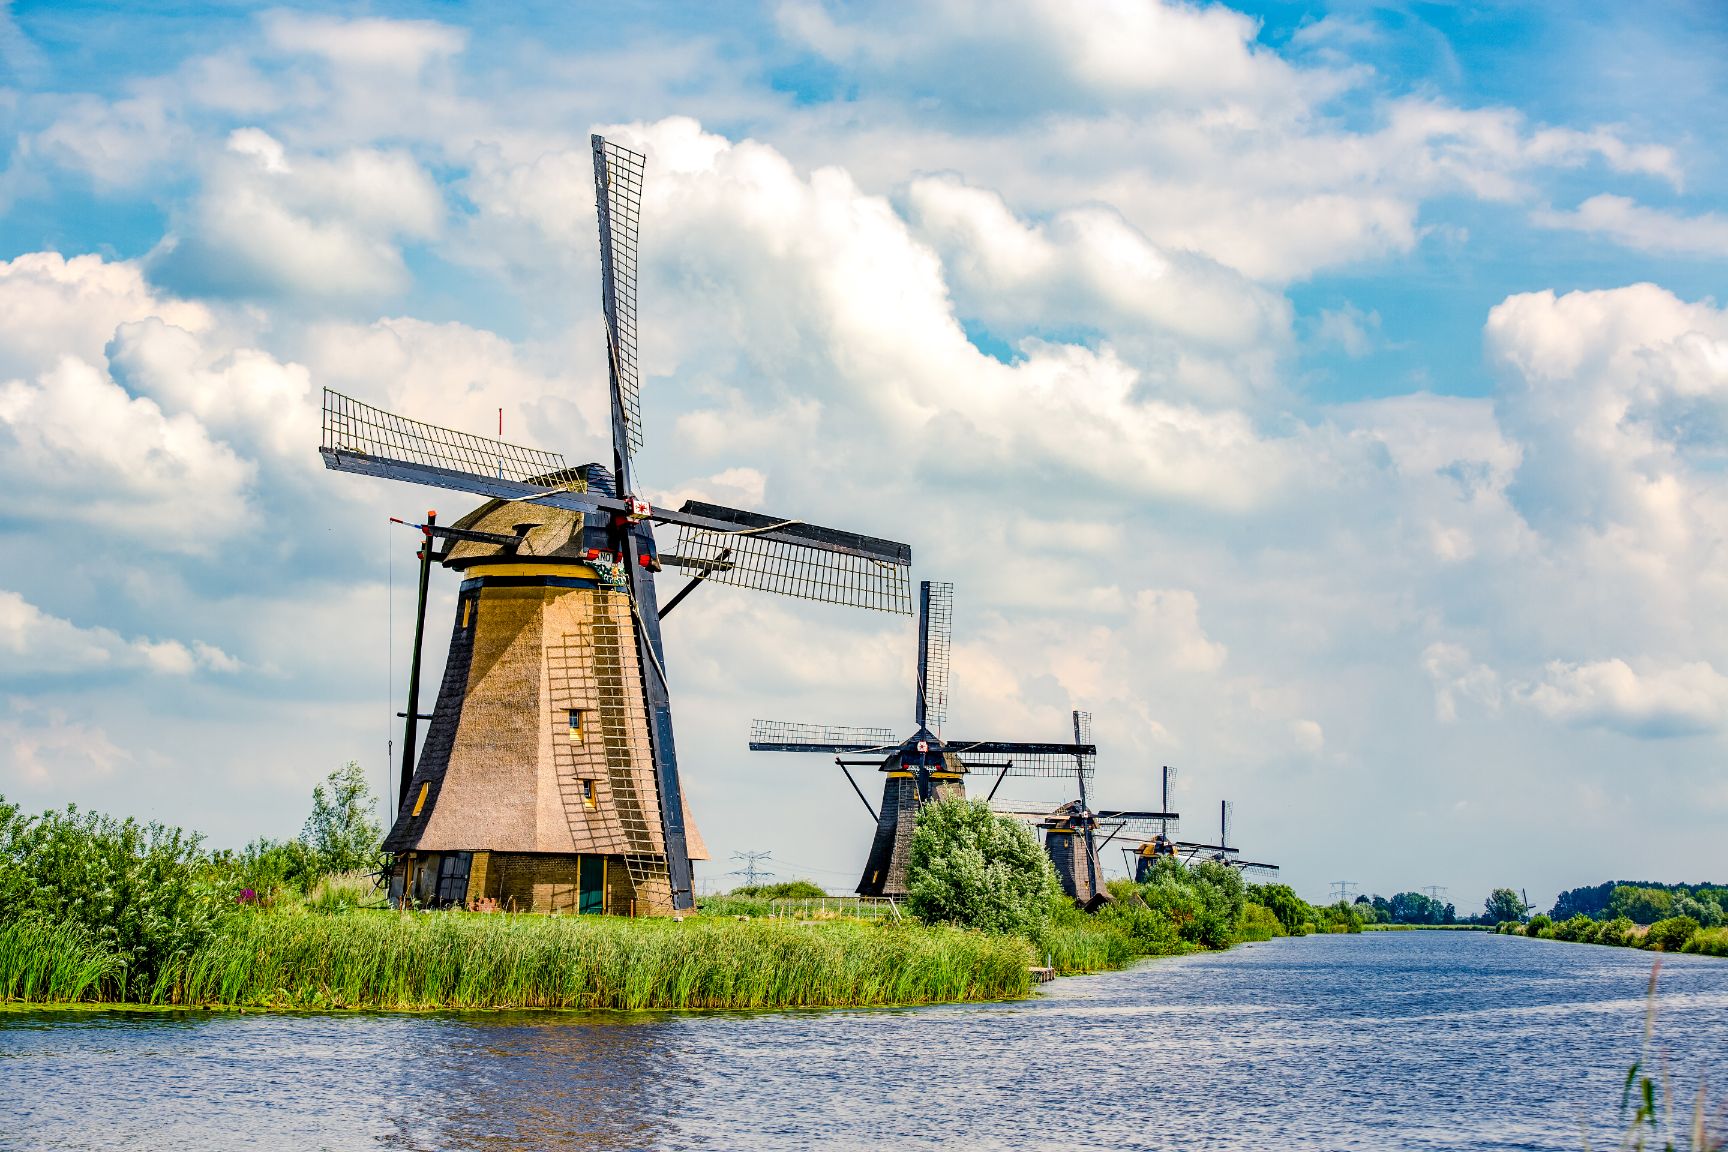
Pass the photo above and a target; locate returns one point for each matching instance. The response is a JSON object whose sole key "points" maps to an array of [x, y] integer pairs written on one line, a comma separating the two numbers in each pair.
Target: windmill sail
{"points": [[935, 632], [618, 200], [752, 550], [791, 736], [1021, 759]]}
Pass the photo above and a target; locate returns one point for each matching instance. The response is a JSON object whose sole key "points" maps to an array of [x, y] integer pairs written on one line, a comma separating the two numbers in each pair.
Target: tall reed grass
{"points": [[55, 963], [393, 960]]}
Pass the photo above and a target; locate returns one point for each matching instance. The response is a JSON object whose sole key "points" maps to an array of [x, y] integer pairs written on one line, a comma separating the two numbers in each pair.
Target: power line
{"points": [[1343, 890]]}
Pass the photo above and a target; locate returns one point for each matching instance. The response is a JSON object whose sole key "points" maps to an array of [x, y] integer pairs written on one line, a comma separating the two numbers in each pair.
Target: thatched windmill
{"points": [[549, 778], [924, 766]]}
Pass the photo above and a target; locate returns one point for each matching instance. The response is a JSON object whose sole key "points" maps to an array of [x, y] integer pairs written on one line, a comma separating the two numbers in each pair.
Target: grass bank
{"points": [[407, 961], [1674, 934]]}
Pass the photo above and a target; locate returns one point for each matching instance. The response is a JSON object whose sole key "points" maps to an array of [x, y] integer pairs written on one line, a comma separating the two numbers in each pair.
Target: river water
{"points": [[1421, 1040]]}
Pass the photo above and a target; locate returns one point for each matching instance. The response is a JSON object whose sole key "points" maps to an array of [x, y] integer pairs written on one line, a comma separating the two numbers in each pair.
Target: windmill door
{"points": [[591, 885]]}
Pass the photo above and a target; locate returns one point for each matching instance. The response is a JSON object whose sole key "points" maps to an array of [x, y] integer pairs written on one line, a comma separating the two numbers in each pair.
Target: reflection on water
{"points": [[1399, 1040]]}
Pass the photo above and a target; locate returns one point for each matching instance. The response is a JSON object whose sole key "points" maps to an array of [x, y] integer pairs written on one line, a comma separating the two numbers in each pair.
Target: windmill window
{"points": [[588, 794], [467, 611], [577, 719], [420, 800]]}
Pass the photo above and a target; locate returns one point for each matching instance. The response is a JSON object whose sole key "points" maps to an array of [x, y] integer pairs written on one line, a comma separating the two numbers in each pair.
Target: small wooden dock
{"points": [[1043, 975]]}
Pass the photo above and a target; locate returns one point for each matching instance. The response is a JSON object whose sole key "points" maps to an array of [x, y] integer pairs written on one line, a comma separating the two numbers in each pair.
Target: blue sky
{"points": [[1327, 396]]}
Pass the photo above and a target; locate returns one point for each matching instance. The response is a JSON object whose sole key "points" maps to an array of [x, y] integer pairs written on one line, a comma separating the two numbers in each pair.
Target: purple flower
{"points": [[247, 896]]}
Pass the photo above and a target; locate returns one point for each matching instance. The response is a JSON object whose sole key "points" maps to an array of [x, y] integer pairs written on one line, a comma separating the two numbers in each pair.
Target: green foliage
{"points": [[1703, 909], [1538, 924], [969, 867], [1708, 941], [1503, 904], [1615, 933], [1338, 917], [1641, 905], [1579, 928], [1671, 935], [469, 960], [791, 890], [50, 963], [341, 834], [1258, 923], [1408, 908], [144, 894], [1292, 911]]}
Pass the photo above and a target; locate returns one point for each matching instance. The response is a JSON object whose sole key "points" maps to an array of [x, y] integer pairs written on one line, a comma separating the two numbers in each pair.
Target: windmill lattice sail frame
{"points": [[622, 170], [357, 428]]}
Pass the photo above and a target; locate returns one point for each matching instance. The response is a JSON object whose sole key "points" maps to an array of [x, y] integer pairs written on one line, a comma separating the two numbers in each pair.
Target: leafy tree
{"points": [[1707, 912], [1292, 911], [971, 867], [1670, 935], [1503, 904], [1641, 904], [342, 834]]}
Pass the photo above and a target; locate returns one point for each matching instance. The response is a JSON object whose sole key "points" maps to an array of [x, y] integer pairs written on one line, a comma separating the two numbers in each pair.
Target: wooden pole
{"points": [[412, 723]]}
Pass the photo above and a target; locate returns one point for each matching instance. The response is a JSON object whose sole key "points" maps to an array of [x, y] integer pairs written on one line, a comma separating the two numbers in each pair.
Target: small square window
{"points": [[588, 794], [576, 721]]}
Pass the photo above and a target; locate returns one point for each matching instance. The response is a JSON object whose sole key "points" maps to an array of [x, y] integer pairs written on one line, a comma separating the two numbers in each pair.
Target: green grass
{"points": [[54, 962], [387, 960]]}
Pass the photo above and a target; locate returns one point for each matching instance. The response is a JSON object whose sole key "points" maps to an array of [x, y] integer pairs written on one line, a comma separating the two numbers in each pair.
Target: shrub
{"points": [[1671, 935], [970, 867], [143, 893], [1616, 933], [791, 890], [1281, 899], [1577, 929], [1538, 924], [1258, 923], [1709, 941]]}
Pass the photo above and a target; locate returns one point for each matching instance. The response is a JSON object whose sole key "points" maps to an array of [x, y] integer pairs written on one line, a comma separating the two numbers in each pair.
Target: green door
{"points": [[591, 885]]}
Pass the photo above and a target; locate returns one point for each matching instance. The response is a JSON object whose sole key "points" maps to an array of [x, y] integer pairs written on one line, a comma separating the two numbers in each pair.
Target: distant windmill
{"points": [[1189, 851], [923, 767], [549, 778], [1071, 832]]}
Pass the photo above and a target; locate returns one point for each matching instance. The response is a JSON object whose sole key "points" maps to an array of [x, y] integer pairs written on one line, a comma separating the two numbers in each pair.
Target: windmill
{"points": [[1188, 851], [924, 766], [549, 777], [1071, 831]]}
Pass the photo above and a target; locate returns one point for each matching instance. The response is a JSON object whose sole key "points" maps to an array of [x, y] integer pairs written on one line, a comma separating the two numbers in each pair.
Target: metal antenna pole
{"points": [[411, 724]]}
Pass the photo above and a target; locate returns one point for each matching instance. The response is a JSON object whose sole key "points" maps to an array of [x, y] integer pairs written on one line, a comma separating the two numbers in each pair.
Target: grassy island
{"points": [[95, 909]]}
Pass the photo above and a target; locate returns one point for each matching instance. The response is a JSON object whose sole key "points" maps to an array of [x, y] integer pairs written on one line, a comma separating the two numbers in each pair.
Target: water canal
{"points": [[1389, 1041]]}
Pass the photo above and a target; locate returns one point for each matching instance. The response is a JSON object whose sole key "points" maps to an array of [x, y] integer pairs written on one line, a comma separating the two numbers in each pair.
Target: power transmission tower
{"points": [[1436, 892], [750, 871], [1344, 890]]}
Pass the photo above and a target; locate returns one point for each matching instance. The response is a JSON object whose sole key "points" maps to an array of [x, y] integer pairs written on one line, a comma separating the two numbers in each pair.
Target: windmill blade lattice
{"points": [[835, 568], [354, 428], [935, 638], [1037, 760], [618, 187], [792, 736]]}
